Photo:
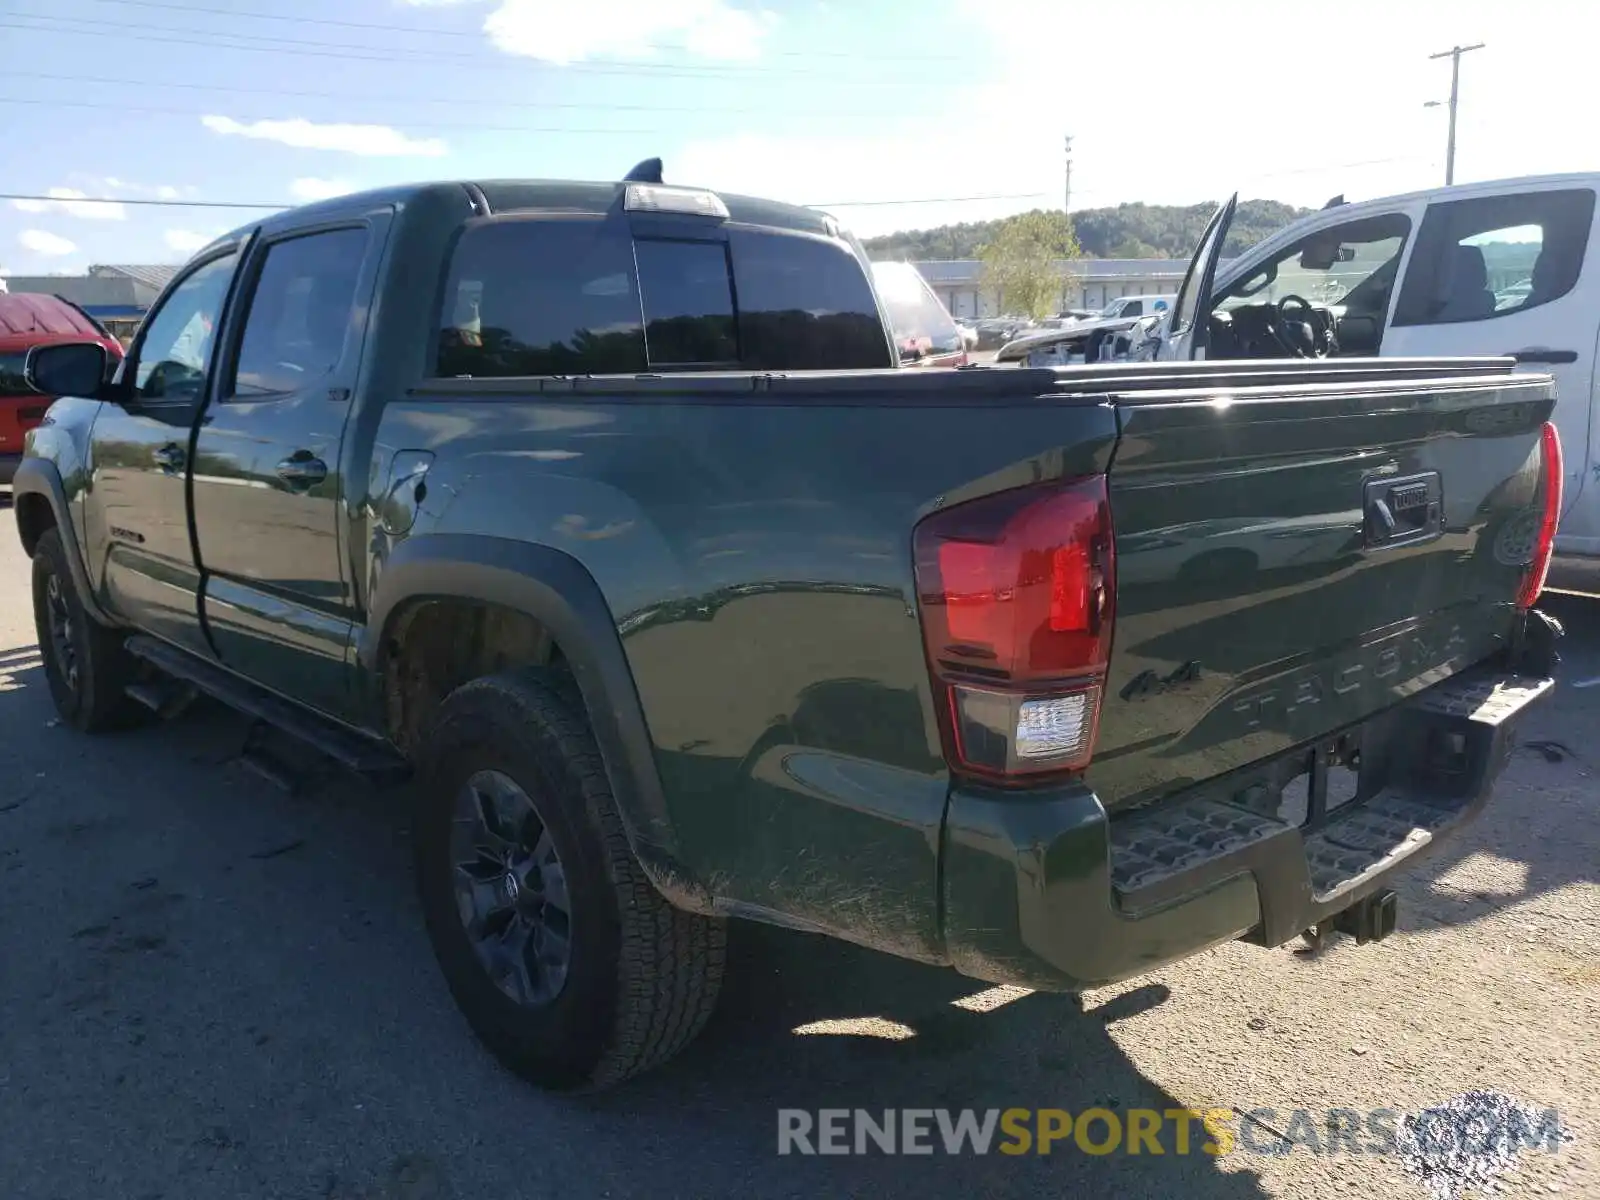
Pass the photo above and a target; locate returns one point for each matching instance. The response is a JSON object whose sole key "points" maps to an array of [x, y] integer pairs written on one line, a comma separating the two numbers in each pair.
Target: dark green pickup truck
{"points": [[600, 514]]}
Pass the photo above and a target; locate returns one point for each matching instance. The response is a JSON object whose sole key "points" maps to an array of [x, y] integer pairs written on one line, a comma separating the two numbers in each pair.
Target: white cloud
{"points": [[163, 191], [186, 241], [319, 189], [373, 141], [42, 242], [556, 31], [71, 201]]}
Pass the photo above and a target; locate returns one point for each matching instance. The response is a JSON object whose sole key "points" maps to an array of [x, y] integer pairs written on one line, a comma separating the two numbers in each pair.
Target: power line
{"points": [[30, 196], [389, 98], [258, 15], [144, 203], [262, 44], [466, 125], [928, 200]]}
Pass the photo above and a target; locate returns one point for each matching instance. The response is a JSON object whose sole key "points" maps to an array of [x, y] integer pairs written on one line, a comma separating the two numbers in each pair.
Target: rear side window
{"points": [[1490, 257], [558, 296], [547, 297], [299, 314]]}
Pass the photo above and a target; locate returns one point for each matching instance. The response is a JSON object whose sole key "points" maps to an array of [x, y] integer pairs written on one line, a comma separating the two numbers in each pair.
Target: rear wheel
{"points": [[566, 962], [85, 663]]}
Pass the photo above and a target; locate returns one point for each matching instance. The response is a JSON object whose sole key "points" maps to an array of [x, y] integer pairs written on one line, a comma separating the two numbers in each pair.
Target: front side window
{"points": [[545, 297], [175, 353], [300, 312], [1496, 255], [1352, 266]]}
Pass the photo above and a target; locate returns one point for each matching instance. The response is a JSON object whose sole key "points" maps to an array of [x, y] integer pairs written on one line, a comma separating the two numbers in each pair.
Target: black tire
{"points": [[642, 977], [85, 663]]}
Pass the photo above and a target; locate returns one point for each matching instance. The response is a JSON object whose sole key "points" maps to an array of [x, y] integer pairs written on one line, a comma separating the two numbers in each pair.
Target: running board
{"points": [[374, 760]]}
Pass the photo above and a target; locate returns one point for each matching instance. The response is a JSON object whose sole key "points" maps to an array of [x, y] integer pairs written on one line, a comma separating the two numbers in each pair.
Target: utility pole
{"points": [[1066, 198], [1454, 55]]}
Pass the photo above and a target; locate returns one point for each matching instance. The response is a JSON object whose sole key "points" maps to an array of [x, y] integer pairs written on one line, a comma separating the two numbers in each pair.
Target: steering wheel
{"points": [[1304, 313]]}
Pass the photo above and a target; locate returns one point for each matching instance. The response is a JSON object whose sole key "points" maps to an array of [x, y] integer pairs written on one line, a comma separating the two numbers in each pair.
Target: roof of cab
{"points": [[531, 195]]}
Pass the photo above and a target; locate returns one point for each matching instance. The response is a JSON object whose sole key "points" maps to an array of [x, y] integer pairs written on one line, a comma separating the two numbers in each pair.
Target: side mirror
{"points": [[67, 369]]}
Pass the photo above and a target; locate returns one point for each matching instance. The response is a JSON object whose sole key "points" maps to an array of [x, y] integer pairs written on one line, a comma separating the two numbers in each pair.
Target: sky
{"points": [[895, 114]]}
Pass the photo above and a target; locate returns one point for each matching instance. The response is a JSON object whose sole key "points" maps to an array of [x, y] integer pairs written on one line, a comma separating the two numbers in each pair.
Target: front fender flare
{"points": [[39, 477], [554, 589]]}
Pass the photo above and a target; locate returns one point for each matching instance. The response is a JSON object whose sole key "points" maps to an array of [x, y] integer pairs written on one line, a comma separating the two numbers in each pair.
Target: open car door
{"points": [[1189, 326]]}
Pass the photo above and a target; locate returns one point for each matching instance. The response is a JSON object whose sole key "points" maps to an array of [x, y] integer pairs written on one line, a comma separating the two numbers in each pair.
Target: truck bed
{"points": [[752, 537]]}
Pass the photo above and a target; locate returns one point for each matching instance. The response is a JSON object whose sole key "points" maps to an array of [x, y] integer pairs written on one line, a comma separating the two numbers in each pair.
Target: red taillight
{"points": [[1017, 592], [1550, 513]]}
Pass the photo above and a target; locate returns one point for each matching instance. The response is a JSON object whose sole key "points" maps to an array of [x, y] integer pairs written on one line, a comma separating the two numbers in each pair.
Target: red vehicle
{"points": [[29, 319]]}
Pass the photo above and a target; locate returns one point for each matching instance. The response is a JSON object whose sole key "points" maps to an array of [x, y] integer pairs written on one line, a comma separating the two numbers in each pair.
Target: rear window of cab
{"points": [[574, 296]]}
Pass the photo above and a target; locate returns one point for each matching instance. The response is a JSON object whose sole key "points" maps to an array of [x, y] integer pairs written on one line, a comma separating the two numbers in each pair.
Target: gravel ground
{"points": [[211, 989]]}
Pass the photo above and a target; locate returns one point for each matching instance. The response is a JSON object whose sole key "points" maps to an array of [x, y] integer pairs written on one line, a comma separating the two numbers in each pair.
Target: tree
{"points": [[1024, 262], [1125, 231]]}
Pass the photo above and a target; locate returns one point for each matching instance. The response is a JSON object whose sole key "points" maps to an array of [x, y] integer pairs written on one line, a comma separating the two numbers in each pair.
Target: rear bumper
{"points": [[8, 468], [1052, 893]]}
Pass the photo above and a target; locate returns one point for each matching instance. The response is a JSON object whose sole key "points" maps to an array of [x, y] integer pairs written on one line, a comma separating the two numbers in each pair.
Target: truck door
{"points": [[1190, 326], [1509, 274], [266, 478], [139, 550]]}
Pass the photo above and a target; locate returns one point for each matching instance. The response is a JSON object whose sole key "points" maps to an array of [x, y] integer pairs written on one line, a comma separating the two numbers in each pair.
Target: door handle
{"points": [[169, 457], [301, 472], [1541, 354]]}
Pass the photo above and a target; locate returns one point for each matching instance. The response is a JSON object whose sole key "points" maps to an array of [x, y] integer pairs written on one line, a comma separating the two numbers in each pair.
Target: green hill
{"points": [[1126, 231]]}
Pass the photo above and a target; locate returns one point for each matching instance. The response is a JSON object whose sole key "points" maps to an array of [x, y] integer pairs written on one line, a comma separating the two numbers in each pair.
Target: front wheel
{"points": [[85, 663], [566, 962]]}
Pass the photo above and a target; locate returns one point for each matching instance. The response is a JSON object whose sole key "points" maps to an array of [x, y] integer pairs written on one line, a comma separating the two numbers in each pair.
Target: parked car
{"points": [[676, 610], [923, 329], [994, 332], [1136, 306], [29, 319], [1063, 343], [1506, 267]]}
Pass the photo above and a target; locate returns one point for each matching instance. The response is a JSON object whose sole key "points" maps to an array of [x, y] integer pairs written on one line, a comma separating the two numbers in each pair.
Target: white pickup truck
{"points": [[1495, 268]]}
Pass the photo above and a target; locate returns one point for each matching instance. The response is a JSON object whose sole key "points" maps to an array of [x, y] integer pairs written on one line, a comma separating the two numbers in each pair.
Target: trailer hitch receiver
{"points": [[1369, 920]]}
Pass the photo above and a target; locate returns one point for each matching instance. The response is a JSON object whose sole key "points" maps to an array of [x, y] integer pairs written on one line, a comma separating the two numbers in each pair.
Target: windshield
{"points": [[12, 381], [1350, 265], [915, 314]]}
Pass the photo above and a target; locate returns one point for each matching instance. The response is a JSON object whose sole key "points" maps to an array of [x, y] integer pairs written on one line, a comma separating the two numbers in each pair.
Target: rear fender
{"points": [[554, 589]]}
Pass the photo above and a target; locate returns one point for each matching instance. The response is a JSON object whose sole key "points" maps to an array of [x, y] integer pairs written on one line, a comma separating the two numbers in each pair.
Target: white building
{"points": [[1094, 282]]}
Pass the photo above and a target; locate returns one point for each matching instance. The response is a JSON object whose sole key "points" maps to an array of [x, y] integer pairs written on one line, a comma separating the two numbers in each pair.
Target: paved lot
{"points": [[210, 989]]}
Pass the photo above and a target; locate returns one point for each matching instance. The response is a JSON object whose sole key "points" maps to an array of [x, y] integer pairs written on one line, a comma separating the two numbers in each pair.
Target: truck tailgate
{"points": [[1292, 560]]}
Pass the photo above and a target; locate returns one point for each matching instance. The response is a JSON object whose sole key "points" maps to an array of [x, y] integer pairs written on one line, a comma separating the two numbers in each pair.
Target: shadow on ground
{"points": [[1543, 823], [215, 988]]}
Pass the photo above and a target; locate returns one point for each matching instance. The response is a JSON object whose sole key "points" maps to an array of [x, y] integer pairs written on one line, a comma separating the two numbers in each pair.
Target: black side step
{"points": [[369, 757]]}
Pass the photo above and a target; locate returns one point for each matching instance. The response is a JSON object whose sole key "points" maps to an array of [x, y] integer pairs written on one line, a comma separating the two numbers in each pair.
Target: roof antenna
{"points": [[649, 171], [1335, 202]]}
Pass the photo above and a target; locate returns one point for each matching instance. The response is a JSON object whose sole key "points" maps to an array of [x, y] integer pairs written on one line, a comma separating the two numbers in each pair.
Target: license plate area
{"points": [[1403, 511]]}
